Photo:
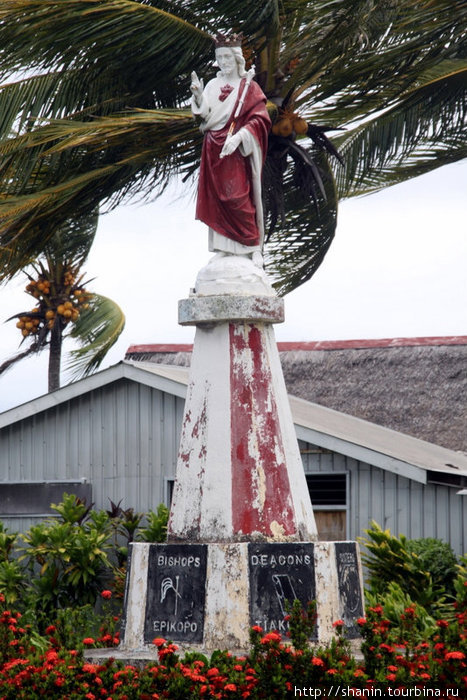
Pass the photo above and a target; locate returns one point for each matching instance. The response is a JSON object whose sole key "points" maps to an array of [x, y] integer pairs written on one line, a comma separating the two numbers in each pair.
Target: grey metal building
{"points": [[114, 435]]}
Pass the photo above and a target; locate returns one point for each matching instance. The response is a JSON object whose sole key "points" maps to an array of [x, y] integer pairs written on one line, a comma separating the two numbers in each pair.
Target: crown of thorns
{"points": [[232, 40]]}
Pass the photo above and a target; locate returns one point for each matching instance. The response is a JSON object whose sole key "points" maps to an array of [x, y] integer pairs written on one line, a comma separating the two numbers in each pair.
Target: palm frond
{"points": [[423, 131], [97, 330], [76, 166], [297, 247], [72, 240], [68, 241], [14, 359], [120, 48], [51, 96], [356, 58], [250, 17]]}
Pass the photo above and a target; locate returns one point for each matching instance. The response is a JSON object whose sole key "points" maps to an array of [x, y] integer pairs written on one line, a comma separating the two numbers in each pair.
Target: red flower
{"points": [[159, 642], [257, 628], [338, 623], [391, 677], [50, 629], [271, 637], [454, 655], [442, 623], [89, 640], [377, 609], [332, 671], [361, 621], [230, 686], [89, 668], [316, 661], [106, 594]]}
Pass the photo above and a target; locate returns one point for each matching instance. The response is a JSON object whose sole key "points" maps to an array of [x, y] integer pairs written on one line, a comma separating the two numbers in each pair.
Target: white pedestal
{"points": [[239, 474]]}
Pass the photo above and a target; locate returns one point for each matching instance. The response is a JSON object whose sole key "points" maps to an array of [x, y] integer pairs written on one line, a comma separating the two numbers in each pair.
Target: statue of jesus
{"points": [[235, 123]]}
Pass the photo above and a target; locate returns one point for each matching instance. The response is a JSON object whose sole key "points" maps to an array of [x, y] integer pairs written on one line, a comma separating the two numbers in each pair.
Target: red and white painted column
{"points": [[239, 475]]}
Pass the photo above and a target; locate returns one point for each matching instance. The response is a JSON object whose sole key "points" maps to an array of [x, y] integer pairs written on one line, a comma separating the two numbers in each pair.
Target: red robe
{"points": [[225, 191]]}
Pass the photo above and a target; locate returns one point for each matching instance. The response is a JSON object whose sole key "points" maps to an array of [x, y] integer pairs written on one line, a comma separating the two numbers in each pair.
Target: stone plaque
{"points": [[279, 572], [348, 581], [176, 592]]}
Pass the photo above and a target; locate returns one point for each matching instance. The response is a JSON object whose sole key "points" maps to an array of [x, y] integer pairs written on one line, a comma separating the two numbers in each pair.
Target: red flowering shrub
{"points": [[394, 656]]}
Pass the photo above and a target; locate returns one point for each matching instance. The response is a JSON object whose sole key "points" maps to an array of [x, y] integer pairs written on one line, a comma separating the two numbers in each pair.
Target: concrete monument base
{"points": [[207, 596]]}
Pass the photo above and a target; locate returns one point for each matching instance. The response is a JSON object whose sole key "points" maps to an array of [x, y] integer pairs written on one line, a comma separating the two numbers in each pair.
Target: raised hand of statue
{"points": [[196, 87], [231, 144]]}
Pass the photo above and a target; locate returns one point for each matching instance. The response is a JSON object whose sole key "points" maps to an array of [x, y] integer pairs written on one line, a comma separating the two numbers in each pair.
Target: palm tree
{"points": [[63, 306], [99, 112]]}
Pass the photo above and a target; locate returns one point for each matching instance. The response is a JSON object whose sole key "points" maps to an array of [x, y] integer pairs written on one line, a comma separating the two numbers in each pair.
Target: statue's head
{"points": [[230, 46]]}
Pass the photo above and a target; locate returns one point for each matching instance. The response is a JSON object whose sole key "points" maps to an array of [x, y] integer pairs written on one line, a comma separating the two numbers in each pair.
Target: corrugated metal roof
{"points": [[361, 433], [376, 438], [316, 424]]}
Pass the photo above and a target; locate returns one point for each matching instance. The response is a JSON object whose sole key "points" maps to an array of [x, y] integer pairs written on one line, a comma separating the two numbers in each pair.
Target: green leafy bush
{"points": [[155, 529], [65, 562], [394, 603], [437, 558], [424, 569], [68, 562]]}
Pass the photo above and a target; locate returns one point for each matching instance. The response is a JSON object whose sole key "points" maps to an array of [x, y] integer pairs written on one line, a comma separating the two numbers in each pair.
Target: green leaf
{"points": [[422, 131], [297, 248], [96, 330]]}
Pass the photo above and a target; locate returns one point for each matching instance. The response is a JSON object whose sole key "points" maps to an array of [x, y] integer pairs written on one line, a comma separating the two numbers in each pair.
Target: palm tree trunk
{"points": [[55, 356]]}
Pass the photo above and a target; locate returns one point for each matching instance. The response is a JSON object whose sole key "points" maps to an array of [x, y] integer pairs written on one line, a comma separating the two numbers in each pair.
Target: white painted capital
{"points": [[198, 310]]}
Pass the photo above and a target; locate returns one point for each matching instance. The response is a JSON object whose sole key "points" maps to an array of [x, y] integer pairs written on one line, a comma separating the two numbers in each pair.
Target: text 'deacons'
{"points": [[279, 574]]}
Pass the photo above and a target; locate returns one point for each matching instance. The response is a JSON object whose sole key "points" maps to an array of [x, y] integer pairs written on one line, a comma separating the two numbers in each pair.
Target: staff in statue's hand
{"points": [[230, 142]]}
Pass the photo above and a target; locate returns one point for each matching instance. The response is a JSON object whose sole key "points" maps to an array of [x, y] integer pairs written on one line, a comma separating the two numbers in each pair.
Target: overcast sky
{"points": [[397, 268]]}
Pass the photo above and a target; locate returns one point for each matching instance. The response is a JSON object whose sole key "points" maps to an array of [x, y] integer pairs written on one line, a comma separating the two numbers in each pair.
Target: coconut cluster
{"points": [[60, 301], [288, 123]]}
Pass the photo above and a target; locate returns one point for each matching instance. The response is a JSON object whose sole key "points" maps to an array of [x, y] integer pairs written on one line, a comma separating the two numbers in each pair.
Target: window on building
{"points": [[327, 489], [33, 498], [328, 493]]}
